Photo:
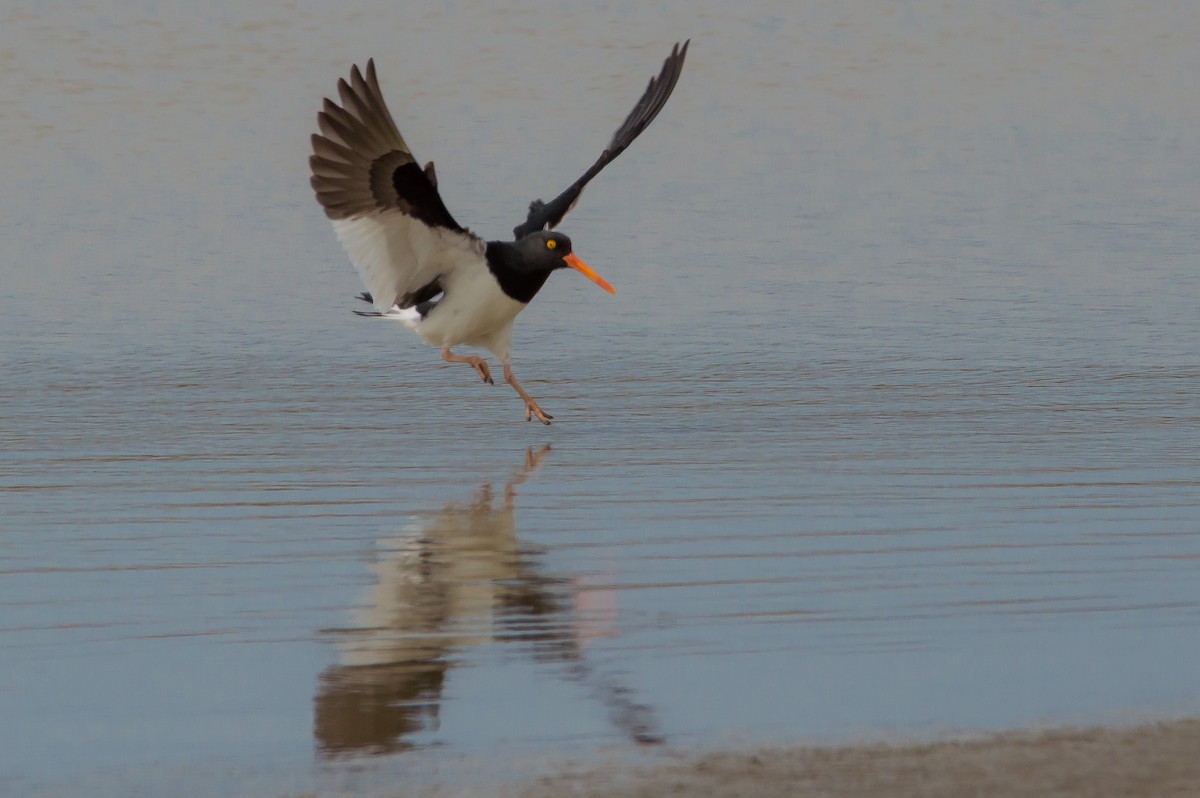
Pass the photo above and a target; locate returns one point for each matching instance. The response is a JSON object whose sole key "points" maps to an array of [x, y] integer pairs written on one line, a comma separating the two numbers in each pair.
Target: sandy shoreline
{"points": [[1158, 759]]}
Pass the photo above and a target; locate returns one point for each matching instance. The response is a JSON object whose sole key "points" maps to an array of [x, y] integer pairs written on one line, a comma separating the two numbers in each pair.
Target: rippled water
{"points": [[891, 425]]}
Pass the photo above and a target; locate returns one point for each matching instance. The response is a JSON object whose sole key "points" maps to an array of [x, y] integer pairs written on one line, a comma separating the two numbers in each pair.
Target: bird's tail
{"points": [[365, 296], [407, 316]]}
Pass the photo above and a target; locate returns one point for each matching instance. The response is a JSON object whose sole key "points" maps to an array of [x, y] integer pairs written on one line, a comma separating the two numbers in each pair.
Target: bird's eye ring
{"points": [[551, 244]]}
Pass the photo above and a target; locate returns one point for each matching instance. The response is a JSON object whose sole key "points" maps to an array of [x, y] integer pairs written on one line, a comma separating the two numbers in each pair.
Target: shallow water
{"points": [[891, 425]]}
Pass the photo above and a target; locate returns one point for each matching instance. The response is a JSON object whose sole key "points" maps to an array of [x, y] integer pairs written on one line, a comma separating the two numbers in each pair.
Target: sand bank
{"points": [[1160, 760]]}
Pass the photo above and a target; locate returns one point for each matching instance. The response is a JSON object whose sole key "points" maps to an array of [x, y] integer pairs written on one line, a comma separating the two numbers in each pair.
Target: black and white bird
{"points": [[420, 266]]}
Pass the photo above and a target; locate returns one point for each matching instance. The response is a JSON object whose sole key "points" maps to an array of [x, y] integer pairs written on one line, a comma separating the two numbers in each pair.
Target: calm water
{"points": [[890, 427]]}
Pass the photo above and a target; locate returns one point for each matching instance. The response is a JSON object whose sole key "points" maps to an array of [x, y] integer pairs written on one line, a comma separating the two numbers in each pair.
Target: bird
{"points": [[420, 266]]}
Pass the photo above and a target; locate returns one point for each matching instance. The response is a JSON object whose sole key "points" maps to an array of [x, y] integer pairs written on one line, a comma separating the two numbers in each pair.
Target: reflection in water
{"points": [[458, 579]]}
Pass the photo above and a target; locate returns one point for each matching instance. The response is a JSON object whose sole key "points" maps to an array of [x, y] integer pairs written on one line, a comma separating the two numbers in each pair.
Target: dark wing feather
{"points": [[385, 208], [547, 215], [360, 163]]}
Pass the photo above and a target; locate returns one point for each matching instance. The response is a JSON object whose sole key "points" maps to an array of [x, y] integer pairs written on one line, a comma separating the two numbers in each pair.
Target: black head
{"points": [[523, 266], [546, 251]]}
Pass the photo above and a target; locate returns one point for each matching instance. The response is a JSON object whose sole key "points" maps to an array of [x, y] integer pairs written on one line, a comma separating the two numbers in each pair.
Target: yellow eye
{"points": [[551, 243]]}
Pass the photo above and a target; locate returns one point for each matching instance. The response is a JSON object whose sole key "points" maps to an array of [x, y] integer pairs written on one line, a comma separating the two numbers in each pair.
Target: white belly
{"points": [[474, 312]]}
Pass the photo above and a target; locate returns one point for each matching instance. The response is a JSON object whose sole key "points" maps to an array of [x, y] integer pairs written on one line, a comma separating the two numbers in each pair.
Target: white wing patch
{"points": [[396, 254]]}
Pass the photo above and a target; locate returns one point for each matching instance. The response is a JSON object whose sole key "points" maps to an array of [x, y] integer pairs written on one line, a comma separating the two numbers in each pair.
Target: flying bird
{"points": [[419, 265]]}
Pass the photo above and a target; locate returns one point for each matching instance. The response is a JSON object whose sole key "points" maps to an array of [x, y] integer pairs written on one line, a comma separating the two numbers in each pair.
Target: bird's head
{"points": [[547, 251]]}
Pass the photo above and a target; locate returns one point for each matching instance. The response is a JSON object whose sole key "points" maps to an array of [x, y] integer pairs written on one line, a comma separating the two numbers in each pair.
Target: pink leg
{"points": [[531, 406], [479, 364]]}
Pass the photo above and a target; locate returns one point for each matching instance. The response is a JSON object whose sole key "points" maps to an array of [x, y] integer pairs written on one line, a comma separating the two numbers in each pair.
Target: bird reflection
{"points": [[457, 580]]}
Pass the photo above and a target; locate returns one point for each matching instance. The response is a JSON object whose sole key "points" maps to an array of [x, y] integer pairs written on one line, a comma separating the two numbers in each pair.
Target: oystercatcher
{"points": [[420, 266]]}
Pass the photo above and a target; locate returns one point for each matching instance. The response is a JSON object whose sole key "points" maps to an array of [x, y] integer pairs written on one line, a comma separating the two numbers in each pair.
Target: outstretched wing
{"points": [[385, 208], [547, 215]]}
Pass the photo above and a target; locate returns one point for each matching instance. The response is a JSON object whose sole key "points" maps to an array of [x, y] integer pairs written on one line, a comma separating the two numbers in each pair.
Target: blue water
{"points": [[890, 426]]}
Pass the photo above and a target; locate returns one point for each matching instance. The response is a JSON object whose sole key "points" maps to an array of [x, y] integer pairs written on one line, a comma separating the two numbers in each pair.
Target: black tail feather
{"points": [[365, 296]]}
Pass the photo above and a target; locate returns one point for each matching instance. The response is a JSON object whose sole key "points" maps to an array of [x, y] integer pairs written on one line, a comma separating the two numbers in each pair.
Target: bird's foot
{"points": [[475, 361], [481, 368], [532, 409]]}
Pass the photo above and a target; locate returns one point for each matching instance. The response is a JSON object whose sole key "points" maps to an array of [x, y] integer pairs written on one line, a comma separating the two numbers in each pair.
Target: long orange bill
{"points": [[581, 267]]}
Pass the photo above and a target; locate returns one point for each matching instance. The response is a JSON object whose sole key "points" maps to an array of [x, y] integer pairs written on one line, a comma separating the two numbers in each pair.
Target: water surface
{"points": [[891, 425]]}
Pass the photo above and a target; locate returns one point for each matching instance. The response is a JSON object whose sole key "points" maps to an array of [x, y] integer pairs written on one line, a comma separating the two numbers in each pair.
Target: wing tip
{"points": [[546, 216]]}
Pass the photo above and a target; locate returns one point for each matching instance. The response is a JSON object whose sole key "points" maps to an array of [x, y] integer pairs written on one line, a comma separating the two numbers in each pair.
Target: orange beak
{"points": [[581, 267]]}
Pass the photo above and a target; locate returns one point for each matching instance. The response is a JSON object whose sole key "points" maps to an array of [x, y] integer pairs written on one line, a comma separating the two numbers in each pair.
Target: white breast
{"points": [[474, 311]]}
